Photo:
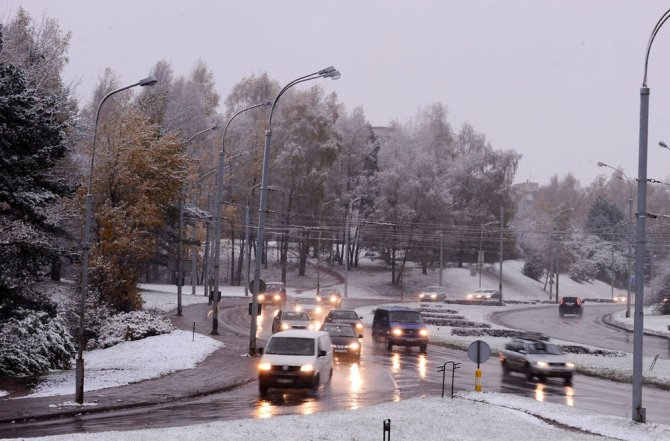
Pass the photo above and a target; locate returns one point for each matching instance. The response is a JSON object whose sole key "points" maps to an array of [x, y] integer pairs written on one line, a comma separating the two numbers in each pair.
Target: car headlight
{"points": [[264, 367], [397, 331], [319, 309], [469, 296], [433, 296], [306, 368], [420, 296], [423, 332], [318, 298], [488, 296], [285, 326], [570, 365], [277, 297], [542, 363], [298, 308], [359, 325], [354, 346], [261, 297], [333, 299]]}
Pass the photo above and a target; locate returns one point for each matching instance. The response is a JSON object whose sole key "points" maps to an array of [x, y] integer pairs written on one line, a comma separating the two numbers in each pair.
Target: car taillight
{"points": [[562, 300], [578, 301]]}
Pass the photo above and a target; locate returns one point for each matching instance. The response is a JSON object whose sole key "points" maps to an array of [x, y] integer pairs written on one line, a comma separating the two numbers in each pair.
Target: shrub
{"points": [[533, 267], [131, 326], [34, 343]]}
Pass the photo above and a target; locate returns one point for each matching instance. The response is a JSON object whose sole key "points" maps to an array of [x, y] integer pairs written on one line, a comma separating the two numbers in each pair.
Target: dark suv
{"points": [[400, 326], [571, 305]]}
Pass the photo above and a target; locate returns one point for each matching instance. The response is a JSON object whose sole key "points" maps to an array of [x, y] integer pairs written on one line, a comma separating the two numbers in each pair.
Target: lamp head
{"points": [[149, 81], [326, 71], [663, 144], [601, 164]]}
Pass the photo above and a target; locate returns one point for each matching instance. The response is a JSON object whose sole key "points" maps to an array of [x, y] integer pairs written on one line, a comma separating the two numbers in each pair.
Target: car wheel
{"points": [[262, 390], [568, 380], [374, 337], [423, 348], [389, 346], [560, 314], [529, 373], [505, 368]]}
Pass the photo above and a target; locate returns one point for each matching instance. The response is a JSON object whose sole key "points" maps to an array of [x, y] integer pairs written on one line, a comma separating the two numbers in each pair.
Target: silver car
{"points": [[535, 356]]}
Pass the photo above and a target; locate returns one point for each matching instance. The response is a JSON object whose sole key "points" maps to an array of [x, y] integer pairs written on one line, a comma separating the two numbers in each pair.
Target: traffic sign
{"points": [[479, 351]]}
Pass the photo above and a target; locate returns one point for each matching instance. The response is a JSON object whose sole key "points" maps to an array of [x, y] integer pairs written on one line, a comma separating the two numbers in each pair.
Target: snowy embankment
{"points": [[133, 361], [468, 417]]}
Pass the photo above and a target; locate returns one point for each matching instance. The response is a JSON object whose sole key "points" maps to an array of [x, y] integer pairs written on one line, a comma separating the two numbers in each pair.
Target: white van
{"points": [[296, 359]]}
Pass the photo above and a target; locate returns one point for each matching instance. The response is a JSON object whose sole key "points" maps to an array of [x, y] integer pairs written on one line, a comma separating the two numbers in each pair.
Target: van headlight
{"points": [[397, 331], [277, 297], [285, 326], [261, 297], [298, 308], [264, 367], [319, 309], [333, 299], [306, 368], [423, 332], [570, 365], [318, 298], [359, 325], [354, 346]]}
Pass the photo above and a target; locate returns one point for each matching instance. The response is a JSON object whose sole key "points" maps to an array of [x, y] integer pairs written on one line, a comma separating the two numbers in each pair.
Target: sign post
{"points": [[479, 351]]}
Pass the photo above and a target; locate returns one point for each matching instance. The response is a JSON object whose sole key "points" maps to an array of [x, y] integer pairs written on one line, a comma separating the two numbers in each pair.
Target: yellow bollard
{"points": [[478, 380]]}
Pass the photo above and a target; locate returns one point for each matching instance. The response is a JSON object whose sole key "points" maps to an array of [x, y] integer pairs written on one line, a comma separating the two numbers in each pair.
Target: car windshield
{"points": [[290, 315], [541, 347], [290, 346], [406, 317], [273, 287], [344, 315], [431, 289], [306, 302], [340, 331]]}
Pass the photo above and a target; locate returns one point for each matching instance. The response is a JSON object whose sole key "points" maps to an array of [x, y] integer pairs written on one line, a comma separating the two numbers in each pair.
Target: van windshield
{"points": [[406, 317], [290, 346]]}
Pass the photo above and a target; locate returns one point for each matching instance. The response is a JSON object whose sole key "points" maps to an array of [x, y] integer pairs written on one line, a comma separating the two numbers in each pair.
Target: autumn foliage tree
{"points": [[137, 176]]}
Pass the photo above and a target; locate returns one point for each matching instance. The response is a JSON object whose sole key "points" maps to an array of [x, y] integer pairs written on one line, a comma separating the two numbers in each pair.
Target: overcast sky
{"points": [[557, 81]]}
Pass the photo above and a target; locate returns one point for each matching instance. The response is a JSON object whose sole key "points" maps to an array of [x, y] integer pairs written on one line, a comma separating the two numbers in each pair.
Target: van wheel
{"points": [[315, 384], [389, 346], [374, 338], [262, 390], [505, 368], [423, 348]]}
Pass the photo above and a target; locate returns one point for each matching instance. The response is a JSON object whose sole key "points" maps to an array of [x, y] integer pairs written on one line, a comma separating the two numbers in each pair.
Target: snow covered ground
{"points": [[468, 417], [505, 416], [133, 361]]}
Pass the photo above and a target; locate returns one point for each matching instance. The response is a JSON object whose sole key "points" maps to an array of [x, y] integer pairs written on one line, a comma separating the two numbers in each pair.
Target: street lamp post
{"points": [[217, 222], [346, 245], [638, 412], [79, 371], [318, 251], [246, 238], [329, 72], [480, 257], [558, 249], [630, 232], [181, 227]]}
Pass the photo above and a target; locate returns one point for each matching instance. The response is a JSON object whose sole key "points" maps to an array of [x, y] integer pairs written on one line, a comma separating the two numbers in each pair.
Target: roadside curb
{"points": [[609, 321]]}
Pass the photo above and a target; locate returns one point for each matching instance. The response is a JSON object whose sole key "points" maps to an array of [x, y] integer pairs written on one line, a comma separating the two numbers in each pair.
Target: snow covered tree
{"points": [[138, 174], [605, 219], [32, 142]]}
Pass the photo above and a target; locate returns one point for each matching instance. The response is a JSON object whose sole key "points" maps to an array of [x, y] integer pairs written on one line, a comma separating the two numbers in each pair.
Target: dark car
{"points": [[432, 294], [571, 305], [400, 326], [533, 355], [329, 298], [347, 316], [343, 339], [285, 320], [274, 294]]}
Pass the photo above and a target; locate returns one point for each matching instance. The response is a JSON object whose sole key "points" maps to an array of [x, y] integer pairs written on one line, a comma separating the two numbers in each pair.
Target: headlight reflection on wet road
{"points": [[569, 396], [539, 392], [423, 363]]}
